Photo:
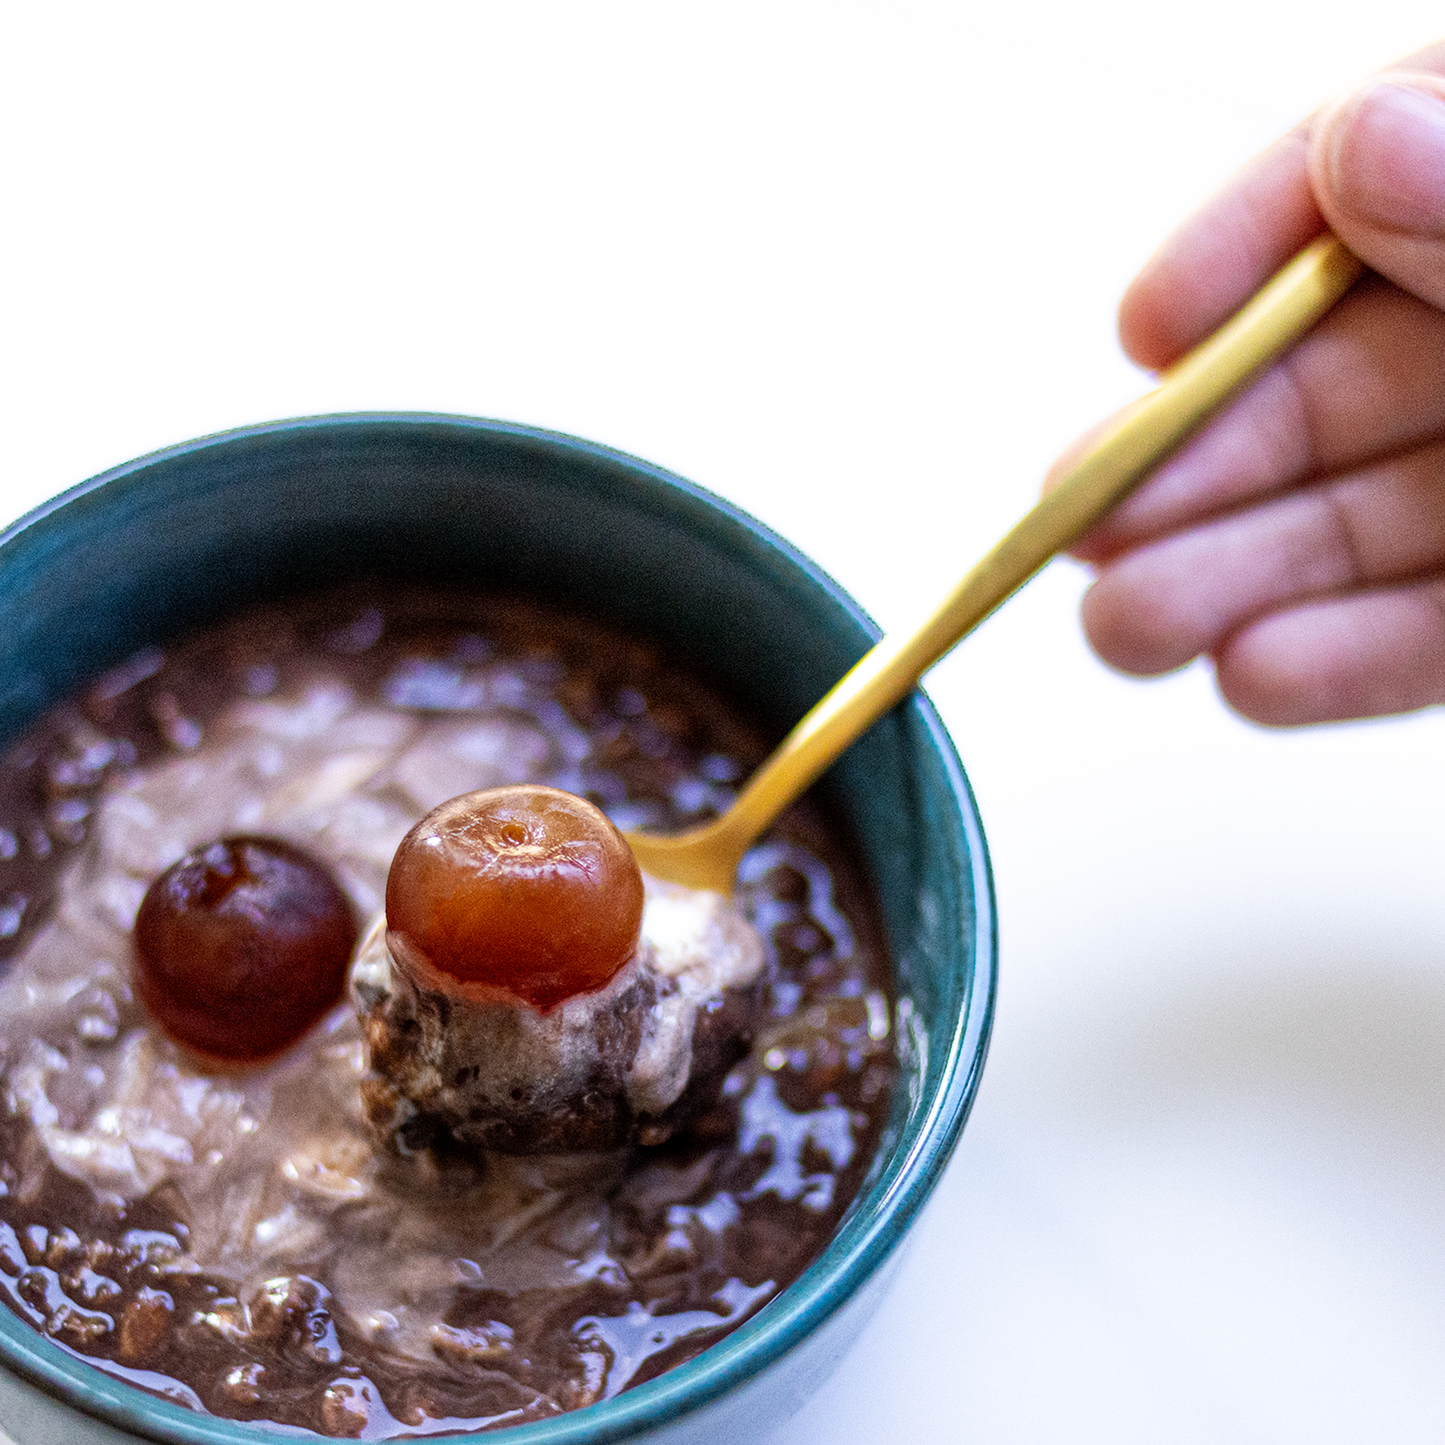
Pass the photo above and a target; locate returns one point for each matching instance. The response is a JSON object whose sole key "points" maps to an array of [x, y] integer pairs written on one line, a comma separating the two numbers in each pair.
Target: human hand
{"points": [[1299, 539]]}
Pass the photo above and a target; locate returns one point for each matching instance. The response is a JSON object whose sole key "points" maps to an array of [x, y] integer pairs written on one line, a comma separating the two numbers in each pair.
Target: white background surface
{"points": [[854, 268]]}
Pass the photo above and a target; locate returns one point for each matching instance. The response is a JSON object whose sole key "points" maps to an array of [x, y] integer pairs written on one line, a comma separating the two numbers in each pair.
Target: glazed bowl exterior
{"points": [[182, 538]]}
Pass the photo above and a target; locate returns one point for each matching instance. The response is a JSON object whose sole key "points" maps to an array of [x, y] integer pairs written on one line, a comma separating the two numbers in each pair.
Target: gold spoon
{"points": [[1282, 311]]}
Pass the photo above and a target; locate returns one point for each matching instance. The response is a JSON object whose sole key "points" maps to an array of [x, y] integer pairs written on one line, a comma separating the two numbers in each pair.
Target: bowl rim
{"points": [[857, 1250]]}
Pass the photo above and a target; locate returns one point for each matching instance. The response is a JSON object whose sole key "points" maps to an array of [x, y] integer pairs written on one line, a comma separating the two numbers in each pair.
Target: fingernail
{"points": [[1387, 157]]}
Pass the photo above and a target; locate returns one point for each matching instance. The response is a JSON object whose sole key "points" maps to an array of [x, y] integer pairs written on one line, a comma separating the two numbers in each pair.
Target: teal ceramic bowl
{"points": [[183, 537]]}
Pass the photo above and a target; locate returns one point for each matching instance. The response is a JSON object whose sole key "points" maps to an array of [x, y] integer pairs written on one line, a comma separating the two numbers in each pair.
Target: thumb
{"points": [[1377, 164]]}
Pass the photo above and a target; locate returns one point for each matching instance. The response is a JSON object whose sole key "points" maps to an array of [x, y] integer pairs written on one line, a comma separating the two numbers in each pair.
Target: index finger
{"points": [[1222, 255], [1227, 250]]}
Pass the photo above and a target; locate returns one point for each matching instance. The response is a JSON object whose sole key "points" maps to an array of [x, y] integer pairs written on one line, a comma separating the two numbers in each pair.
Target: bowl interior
{"points": [[186, 536]]}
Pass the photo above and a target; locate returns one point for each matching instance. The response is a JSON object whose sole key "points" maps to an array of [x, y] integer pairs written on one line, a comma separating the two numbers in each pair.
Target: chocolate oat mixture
{"points": [[235, 1241]]}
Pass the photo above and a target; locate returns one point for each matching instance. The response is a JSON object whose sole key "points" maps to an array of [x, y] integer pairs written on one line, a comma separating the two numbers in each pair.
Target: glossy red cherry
{"points": [[241, 946], [528, 889]]}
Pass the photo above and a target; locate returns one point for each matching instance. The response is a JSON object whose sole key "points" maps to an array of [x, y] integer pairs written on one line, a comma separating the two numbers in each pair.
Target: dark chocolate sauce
{"points": [[653, 1257]]}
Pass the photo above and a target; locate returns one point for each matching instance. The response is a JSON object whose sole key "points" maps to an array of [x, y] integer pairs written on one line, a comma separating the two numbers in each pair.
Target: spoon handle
{"points": [[1278, 315]]}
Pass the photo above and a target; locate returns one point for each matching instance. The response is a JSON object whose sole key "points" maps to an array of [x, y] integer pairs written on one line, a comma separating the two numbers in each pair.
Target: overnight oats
{"points": [[406, 1184]]}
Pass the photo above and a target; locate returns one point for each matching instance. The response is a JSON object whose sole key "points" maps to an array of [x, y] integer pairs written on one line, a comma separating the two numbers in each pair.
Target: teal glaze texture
{"points": [[183, 537]]}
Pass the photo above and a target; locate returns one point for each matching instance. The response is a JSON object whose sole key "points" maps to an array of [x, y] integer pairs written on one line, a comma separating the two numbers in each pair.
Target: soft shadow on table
{"points": [[1197, 1204], [1358, 1039]]}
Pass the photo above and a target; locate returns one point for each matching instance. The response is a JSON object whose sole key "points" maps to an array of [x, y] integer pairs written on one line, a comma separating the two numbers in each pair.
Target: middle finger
{"points": [[1368, 381], [1159, 605]]}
